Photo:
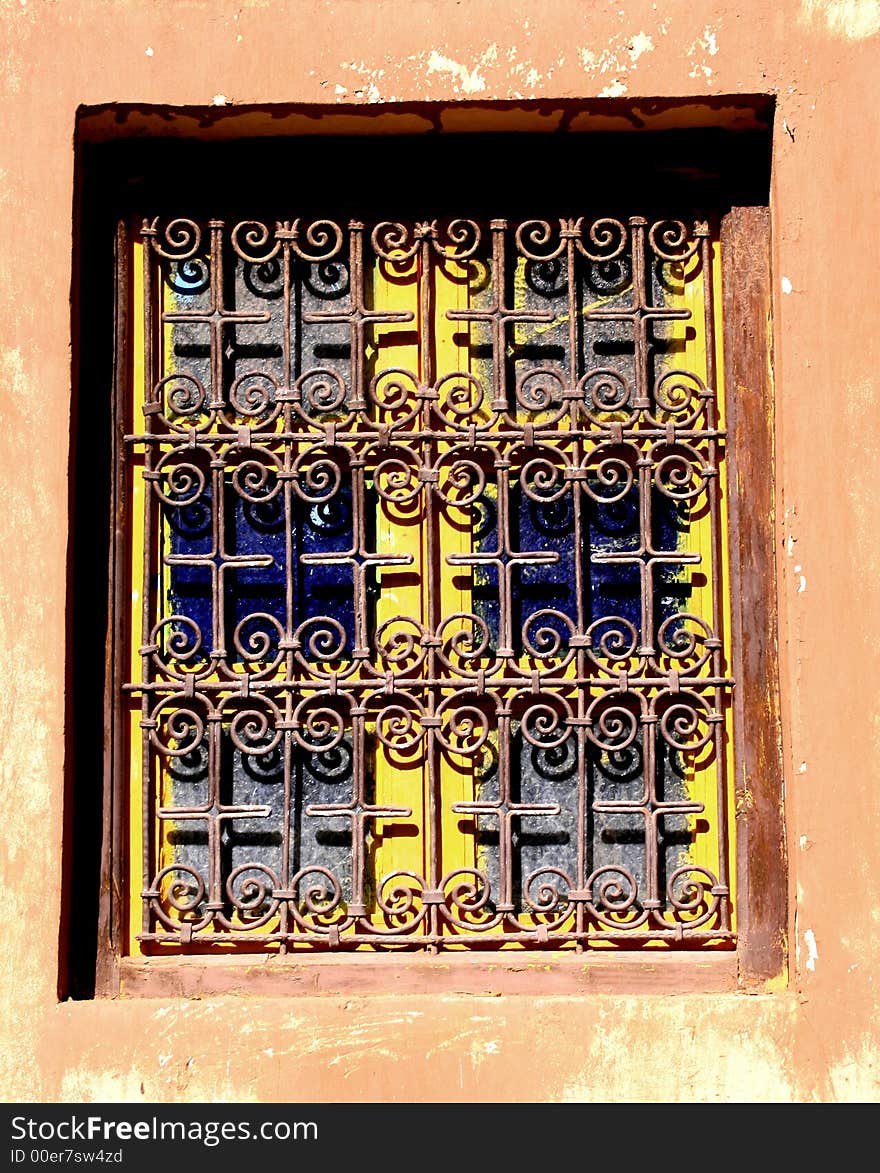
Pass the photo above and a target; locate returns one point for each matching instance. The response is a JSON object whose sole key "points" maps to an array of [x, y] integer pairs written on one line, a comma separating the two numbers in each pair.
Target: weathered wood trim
{"points": [[761, 851], [110, 913], [520, 973]]}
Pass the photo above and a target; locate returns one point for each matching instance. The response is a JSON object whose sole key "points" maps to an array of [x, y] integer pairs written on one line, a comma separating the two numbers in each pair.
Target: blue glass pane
{"points": [[544, 527], [191, 533], [258, 529], [326, 588]]}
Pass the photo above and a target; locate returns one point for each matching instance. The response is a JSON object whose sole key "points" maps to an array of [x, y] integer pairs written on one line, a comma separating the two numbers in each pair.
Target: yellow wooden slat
{"points": [[403, 780], [400, 778], [452, 353], [704, 770]]}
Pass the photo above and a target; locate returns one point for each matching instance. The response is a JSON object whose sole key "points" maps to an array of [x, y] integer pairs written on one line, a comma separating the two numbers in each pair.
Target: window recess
{"points": [[429, 645]]}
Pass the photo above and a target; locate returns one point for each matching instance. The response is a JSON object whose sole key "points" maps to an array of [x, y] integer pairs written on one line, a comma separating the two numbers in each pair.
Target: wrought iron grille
{"points": [[431, 579]]}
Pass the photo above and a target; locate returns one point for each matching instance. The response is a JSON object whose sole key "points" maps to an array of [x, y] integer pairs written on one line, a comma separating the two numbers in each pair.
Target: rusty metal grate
{"points": [[432, 585]]}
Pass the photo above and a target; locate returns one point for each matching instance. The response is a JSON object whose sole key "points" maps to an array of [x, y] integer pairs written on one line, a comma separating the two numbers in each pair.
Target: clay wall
{"points": [[811, 1036]]}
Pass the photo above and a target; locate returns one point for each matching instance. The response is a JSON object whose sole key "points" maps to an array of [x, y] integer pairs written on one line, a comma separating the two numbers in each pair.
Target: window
{"points": [[425, 528]]}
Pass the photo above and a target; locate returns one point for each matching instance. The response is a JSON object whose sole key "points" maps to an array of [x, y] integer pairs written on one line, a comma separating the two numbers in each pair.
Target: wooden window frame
{"points": [[760, 957]]}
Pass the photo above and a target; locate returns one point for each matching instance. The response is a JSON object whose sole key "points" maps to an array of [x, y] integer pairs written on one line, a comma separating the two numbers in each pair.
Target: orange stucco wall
{"points": [[814, 1038]]}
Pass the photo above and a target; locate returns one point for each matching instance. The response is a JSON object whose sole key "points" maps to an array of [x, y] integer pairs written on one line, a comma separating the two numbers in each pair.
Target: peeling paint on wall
{"points": [[707, 1060], [465, 81], [856, 1078], [493, 68], [853, 20], [706, 44], [812, 951], [640, 43]]}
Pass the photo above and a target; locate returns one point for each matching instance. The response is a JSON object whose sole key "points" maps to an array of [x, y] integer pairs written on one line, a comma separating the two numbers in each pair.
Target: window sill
{"points": [[532, 975]]}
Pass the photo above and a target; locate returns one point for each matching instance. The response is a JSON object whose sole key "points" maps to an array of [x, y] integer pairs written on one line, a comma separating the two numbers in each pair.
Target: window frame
{"points": [[760, 865]]}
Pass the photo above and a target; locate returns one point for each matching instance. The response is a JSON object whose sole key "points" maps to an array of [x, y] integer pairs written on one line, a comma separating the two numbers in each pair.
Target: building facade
{"points": [[793, 1017]]}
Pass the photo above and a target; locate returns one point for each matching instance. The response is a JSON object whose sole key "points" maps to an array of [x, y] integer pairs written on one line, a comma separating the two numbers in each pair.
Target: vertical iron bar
{"points": [[579, 553], [149, 844], [431, 578]]}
